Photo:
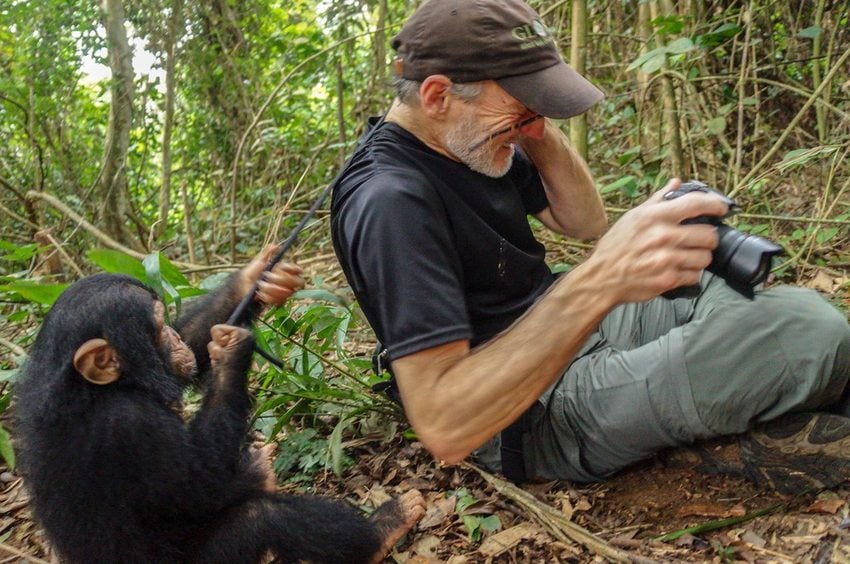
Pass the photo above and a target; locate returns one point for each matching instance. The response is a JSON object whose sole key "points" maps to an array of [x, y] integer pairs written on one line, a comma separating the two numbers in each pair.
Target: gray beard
{"points": [[461, 136]]}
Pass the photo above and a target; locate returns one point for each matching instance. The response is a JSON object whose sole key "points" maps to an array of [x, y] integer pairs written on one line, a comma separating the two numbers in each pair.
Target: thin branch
{"points": [[827, 80], [22, 554], [14, 347], [74, 216], [271, 98], [556, 522], [61, 250], [95, 232], [17, 217]]}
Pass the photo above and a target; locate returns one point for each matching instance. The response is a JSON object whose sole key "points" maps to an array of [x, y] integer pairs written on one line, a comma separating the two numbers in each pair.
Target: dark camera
{"points": [[741, 259]]}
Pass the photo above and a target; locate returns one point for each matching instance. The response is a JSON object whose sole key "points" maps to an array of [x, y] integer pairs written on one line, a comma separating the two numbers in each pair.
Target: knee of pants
{"points": [[786, 350], [808, 323]]}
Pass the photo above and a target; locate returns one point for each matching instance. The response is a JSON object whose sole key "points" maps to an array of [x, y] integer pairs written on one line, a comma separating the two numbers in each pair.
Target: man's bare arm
{"points": [[575, 207], [457, 398]]}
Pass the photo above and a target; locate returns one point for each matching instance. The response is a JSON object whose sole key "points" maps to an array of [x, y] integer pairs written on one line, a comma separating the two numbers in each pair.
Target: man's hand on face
{"points": [[648, 251]]}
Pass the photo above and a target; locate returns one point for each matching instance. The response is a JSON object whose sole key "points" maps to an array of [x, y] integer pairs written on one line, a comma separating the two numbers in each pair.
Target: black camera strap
{"points": [[243, 313]]}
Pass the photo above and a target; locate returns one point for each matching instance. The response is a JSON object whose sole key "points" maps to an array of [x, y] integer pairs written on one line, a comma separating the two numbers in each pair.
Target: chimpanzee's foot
{"points": [[394, 518]]}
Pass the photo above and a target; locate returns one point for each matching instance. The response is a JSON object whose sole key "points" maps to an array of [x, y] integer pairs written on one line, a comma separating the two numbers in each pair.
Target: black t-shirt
{"points": [[434, 251]]}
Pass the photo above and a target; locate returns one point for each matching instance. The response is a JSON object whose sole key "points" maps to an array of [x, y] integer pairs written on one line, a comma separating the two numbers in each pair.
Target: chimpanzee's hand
{"points": [[229, 344], [276, 286], [262, 458]]}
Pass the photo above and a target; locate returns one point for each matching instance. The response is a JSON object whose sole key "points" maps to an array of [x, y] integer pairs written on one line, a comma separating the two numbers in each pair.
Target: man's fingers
{"points": [[672, 184]]}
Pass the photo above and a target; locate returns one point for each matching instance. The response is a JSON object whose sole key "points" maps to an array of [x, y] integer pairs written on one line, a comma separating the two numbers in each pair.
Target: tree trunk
{"points": [[168, 118], [578, 47], [671, 112], [644, 28], [113, 180]]}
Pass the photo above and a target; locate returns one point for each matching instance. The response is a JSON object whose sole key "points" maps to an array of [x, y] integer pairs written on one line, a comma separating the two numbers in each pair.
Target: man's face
{"points": [[483, 133]]}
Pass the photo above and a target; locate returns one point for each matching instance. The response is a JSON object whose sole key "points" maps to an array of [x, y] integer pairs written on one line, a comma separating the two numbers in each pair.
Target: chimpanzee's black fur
{"points": [[116, 475]]}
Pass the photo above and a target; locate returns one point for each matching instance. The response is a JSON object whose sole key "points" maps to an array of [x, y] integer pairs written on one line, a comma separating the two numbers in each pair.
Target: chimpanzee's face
{"points": [[181, 357]]}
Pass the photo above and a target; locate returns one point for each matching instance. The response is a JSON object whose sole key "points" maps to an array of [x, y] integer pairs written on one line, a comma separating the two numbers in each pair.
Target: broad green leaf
{"points": [[171, 273], [811, 32], [152, 273], [9, 375], [155, 264], [320, 294], [718, 35], [117, 262], [335, 446], [668, 25], [716, 126], [826, 234], [472, 524], [654, 63], [18, 253], [799, 157], [491, 523], [44, 294], [6, 450], [625, 184], [679, 46], [646, 58]]}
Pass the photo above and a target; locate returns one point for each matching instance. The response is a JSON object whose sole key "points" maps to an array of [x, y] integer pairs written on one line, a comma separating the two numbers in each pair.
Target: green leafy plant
{"points": [[477, 524], [302, 454]]}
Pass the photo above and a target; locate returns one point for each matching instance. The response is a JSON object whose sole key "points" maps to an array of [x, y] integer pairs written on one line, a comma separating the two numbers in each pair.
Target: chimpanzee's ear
{"points": [[98, 362]]}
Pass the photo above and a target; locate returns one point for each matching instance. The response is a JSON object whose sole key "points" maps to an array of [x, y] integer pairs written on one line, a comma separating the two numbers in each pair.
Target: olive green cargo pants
{"points": [[669, 372]]}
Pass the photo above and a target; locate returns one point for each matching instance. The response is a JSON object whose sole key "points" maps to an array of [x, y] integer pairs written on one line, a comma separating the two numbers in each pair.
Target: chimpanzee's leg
{"points": [[307, 528]]}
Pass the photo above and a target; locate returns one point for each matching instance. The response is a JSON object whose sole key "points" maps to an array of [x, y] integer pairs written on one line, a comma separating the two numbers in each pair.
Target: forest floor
{"points": [[626, 513]]}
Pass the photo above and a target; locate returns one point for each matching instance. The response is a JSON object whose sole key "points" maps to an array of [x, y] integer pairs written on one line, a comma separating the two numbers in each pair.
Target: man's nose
{"points": [[535, 129]]}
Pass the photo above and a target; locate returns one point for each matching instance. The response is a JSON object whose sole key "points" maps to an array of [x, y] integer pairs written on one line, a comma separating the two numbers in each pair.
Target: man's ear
{"points": [[97, 362], [433, 94]]}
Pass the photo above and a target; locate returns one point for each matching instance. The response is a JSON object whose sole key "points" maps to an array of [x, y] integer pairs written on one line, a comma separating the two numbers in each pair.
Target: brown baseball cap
{"points": [[501, 40]]}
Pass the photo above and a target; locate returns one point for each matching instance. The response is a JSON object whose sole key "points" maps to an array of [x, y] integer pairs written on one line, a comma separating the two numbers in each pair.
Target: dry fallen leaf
{"points": [[753, 539], [496, 544], [437, 512], [829, 506], [378, 496], [582, 505], [426, 546], [822, 282]]}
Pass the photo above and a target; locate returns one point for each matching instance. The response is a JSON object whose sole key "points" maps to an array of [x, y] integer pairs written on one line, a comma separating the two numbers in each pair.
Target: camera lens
{"points": [[741, 258]]}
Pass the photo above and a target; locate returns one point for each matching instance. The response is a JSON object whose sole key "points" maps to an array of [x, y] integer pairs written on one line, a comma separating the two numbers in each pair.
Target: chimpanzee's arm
{"points": [[211, 309], [201, 467]]}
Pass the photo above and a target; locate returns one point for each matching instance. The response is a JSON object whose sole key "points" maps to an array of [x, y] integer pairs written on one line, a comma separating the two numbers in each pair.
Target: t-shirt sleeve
{"points": [[393, 239], [527, 178]]}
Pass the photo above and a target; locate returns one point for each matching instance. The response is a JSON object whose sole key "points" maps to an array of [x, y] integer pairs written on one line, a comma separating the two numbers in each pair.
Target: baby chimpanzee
{"points": [[116, 475]]}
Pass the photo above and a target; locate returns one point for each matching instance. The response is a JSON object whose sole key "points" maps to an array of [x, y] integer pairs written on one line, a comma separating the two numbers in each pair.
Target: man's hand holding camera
{"points": [[649, 251]]}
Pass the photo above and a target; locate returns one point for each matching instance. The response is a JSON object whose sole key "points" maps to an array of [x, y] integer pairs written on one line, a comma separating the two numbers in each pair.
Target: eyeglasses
{"points": [[512, 127]]}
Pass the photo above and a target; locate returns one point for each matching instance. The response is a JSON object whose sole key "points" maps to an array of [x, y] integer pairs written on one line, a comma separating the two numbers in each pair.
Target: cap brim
{"points": [[556, 92]]}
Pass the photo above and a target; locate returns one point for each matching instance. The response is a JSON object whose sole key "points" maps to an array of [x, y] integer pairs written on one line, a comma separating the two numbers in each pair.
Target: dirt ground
{"points": [[625, 514]]}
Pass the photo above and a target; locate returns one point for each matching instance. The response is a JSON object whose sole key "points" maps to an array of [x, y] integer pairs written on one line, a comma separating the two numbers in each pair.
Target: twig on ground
{"points": [[556, 522], [22, 554]]}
